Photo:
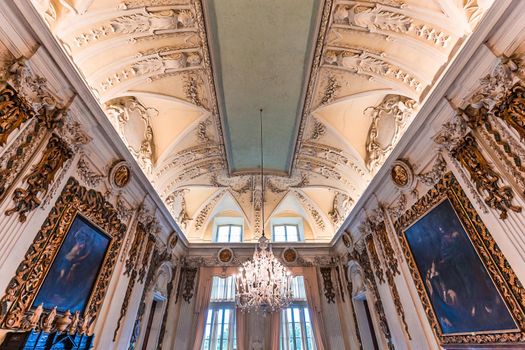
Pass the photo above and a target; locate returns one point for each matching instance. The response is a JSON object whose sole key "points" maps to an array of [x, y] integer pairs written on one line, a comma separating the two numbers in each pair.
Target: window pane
{"points": [[235, 234], [279, 234], [223, 233], [220, 320], [297, 319], [292, 233]]}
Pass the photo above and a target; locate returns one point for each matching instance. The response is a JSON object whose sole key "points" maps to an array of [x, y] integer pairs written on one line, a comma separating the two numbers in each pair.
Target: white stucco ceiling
{"points": [[149, 62]]}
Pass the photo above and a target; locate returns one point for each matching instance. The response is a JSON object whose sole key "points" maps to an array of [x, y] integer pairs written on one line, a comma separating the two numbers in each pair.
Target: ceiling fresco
{"points": [[353, 74]]}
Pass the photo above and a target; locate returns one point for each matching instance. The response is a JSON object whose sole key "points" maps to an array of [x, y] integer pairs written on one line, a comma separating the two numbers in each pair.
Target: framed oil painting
{"points": [[71, 260], [468, 290], [69, 281]]}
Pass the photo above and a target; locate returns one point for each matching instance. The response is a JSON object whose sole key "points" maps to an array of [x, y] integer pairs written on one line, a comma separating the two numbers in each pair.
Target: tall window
{"points": [[286, 233], [296, 325], [228, 233], [219, 331]]}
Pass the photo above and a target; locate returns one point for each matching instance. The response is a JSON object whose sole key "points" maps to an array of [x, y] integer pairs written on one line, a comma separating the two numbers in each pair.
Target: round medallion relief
{"points": [[347, 240], [225, 255], [174, 239], [289, 255], [401, 174], [120, 174]]}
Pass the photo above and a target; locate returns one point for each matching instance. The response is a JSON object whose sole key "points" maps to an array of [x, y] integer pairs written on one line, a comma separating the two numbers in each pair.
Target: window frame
{"points": [[227, 221], [300, 304], [286, 225], [214, 310]]}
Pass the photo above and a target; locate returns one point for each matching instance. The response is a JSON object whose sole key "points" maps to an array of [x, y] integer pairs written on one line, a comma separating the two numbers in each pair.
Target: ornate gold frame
{"points": [[493, 259], [23, 288]]}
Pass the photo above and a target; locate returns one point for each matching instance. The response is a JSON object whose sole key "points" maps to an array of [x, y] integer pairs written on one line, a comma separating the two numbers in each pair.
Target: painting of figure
{"points": [[461, 291], [74, 270]]}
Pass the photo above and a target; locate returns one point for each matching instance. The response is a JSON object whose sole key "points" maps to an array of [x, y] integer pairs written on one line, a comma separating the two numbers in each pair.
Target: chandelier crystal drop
{"points": [[263, 283]]}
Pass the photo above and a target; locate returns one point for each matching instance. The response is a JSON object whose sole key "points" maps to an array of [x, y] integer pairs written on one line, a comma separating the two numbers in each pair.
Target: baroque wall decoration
{"points": [[374, 259], [189, 283], [462, 145], [56, 153], [74, 200], [350, 290], [27, 104], [225, 255], [289, 255], [395, 107], [120, 174], [328, 286], [363, 261], [485, 260], [158, 258], [402, 174], [135, 268]]}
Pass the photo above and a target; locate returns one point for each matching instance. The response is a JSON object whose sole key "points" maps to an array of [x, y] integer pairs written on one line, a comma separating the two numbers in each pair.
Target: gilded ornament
{"points": [[486, 180], [30, 275], [13, 111], [401, 174], [347, 239], [62, 322], [512, 109], [49, 320], [189, 283], [173, 240], [290, 255], [120, 174], [374, 258], [225, 255], [41, 177], [505, 280], [328, 285]]}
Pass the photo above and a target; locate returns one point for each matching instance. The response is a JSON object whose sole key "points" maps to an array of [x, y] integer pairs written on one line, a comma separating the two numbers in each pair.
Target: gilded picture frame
{"points": [[495, 264], [23, 288]]}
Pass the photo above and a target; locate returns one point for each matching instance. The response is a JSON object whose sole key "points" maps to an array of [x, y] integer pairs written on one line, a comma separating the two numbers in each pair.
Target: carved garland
{"points": [[486, 180], [391, 270], [497, 266], [364, 261], [349, 288], [75, 199], [189, 283], [329, 293], [374, 257]]}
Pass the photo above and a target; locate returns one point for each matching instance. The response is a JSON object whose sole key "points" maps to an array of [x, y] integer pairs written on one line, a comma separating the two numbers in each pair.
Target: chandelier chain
{"points": [[262, 170], [263, 283]]}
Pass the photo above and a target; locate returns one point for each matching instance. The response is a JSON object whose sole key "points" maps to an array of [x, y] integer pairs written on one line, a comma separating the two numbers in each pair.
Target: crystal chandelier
{"points": [[263, 283]]}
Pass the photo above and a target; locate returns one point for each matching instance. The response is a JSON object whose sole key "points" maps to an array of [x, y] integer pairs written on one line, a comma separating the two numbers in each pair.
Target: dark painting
{"points": [[70, 279], [464, 297]]}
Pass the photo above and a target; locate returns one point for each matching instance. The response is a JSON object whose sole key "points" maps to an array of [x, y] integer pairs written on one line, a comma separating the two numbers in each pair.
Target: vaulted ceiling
{"points": [[182, 82]]}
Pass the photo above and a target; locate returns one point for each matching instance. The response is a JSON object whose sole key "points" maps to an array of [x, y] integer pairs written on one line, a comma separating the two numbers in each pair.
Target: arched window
{"points": [[219, 330], [296, 325]]}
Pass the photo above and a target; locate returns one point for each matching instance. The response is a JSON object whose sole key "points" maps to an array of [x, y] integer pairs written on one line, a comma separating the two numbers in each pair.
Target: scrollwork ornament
{"points": [[56, 153], [24, 286], [486, 180]]}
